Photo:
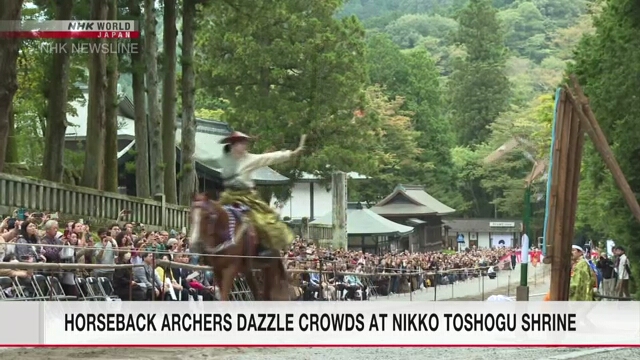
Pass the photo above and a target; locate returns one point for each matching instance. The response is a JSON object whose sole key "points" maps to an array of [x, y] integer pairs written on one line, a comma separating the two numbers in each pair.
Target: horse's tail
{"points": [[282, 270]]}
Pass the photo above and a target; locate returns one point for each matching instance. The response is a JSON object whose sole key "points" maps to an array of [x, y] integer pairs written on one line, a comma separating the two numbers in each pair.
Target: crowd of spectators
{"points": [[317, 273], [394, 272]]}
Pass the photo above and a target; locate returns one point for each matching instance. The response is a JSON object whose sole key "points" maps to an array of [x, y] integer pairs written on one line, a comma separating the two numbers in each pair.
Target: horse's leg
{"points": [[217, 279], [268, 283], [282, 279], [226, 282], [252, 283]]}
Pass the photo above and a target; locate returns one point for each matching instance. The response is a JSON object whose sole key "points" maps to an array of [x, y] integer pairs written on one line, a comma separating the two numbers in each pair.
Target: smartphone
{"points": [[21, 214], [184, 230], [54, 216], [81, 221], [37, 215], [126, 212]]}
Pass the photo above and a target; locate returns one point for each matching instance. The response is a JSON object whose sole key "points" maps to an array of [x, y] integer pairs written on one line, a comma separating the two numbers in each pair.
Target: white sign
{"points": [[502, 224], [360, 323], [525, 248]]}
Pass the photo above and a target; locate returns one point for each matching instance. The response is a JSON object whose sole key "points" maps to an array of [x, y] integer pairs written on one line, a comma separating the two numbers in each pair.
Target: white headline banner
{"points": [[329, 324]]}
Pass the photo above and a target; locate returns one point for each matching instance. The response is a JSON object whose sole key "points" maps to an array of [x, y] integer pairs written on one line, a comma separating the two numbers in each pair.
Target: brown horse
{"points": [[210, 228]]}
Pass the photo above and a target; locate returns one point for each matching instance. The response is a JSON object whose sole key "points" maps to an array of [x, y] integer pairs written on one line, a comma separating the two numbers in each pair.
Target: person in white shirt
{"points": [[237, 167], [623, 271]]}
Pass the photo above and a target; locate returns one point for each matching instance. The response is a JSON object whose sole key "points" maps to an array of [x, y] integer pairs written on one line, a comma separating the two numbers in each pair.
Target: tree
{"points": [[169, 101], [111, 113], [188, 176], [140, 109], [423, 96], [156, 161], [92, 175], [8, 77], [386, 65], [288, 68], [394, 146], [57, 94], [478, 89], [607, 63]]}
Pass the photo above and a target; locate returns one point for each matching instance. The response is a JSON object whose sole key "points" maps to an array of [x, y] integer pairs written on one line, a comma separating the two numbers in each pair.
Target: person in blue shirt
{"points": [[594, 267]]}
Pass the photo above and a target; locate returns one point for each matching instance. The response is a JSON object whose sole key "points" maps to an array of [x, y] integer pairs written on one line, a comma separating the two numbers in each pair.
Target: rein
{"points": [[208, 206]]}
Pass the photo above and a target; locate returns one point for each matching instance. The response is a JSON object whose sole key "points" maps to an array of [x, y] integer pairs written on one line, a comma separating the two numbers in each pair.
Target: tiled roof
{"points": [[411, 200], [366, 222]]}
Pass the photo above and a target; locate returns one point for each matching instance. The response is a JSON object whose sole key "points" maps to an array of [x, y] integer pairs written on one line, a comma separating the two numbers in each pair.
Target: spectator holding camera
{"points": [[27, 249], [9, 232], [105, 253]]}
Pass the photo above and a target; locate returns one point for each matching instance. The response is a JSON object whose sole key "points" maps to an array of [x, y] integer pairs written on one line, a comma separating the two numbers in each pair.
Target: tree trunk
{"points": [[110, 174], [11, 154], [188, 136], [94, 144], [54, 142], [169, 102], [156, 161], [9, 11], [143, 189]]}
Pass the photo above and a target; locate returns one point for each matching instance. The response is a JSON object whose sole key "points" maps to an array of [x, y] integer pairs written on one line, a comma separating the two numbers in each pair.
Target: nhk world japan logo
{"points": [[70, 29]]}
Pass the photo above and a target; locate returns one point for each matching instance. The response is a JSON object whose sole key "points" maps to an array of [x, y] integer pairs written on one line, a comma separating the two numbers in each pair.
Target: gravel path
{"points": [[505, 284], [325, 354]]}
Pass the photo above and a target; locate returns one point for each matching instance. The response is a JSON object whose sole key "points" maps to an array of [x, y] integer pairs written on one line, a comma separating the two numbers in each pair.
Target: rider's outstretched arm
{"points": [[256, 161]]}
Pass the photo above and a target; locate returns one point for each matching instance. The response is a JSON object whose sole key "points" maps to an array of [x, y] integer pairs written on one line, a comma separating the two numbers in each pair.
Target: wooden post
{"points": [[599, 140], [564, 195], [339, 195]]}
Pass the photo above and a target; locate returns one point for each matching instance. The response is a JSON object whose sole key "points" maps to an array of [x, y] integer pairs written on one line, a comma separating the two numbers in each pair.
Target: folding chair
{"points": [[24, 288], [240, 290], [84, 290], [95, 290], [57, 292], [41, 287], [6, 283], [107, 288]]}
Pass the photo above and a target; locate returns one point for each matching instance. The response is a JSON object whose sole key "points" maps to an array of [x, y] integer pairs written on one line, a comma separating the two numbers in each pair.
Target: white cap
{"points": [[577, 247]]}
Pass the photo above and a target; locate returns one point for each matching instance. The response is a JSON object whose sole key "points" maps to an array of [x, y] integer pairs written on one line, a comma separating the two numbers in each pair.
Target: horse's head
{"points": [[206, 216]]}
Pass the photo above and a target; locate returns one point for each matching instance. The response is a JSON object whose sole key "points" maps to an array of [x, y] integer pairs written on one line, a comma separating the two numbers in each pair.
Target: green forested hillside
{"points": [[488, 72]]}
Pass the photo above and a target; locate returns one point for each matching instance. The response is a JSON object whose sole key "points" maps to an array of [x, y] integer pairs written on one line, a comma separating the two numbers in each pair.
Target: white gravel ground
{"points": [[505, 284]]}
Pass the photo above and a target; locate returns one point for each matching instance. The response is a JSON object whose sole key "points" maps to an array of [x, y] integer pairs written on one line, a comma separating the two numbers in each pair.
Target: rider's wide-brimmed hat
{"points": [[236, 136]]}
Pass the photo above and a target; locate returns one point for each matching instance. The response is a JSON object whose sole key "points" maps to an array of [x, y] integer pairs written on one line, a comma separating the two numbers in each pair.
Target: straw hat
{"points": [[235, 137]]}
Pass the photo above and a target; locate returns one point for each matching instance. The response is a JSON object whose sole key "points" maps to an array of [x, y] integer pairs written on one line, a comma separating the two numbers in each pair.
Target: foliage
{"points": [[479, 88], [607, 63], [289, 68]]}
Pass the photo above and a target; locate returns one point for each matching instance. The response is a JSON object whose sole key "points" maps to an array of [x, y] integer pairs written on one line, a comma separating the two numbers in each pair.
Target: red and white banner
{"points": [[70, 29]]}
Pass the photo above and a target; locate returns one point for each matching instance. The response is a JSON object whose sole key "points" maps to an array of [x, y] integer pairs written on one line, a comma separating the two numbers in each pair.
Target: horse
{"points": [[212, 225]]}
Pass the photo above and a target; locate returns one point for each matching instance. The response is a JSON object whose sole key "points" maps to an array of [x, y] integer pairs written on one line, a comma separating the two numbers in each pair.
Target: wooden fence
{"points": [[80, 202]]}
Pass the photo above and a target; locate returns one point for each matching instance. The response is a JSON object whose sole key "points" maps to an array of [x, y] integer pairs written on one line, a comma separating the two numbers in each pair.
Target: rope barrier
{"points": [[127, 249], [63, 266]]}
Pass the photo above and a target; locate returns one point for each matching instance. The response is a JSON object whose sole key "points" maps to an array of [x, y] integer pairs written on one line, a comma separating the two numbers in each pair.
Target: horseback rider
{"points": [[238, 166]]}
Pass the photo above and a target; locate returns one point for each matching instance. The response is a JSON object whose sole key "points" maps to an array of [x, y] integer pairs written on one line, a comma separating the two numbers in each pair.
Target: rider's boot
{"points": [[264, 251], [222, 247]]}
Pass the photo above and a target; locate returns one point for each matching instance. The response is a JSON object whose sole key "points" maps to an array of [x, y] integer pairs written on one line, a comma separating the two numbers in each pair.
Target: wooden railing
{"points": [[80, 202]]}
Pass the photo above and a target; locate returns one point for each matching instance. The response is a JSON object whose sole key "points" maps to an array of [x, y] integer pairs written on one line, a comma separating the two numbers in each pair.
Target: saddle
{"points": [[236, 214]]}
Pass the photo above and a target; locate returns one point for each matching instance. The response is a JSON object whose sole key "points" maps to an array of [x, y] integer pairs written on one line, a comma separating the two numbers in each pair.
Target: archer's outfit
{"points": [[239, 188], [582, 281]]}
